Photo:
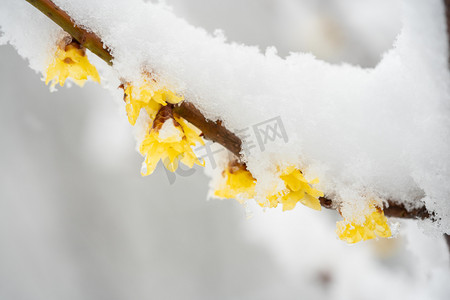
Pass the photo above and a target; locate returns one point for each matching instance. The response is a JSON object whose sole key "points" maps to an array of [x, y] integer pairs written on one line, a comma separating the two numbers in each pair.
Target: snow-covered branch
{"points": [[213, 130], [365, 141]]}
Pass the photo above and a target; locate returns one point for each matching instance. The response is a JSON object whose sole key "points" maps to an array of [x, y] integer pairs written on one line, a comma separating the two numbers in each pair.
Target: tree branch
{"points": [[88, 39], [211, 130], [214, 131]]}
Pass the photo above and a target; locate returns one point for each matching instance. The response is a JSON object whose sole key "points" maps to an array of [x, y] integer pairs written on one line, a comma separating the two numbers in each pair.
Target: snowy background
{"points": [[79, 222]]}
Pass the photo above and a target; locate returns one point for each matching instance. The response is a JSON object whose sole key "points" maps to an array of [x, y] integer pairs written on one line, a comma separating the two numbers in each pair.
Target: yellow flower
{"points": [[298, 189], [147, 96], [375, 224], [238, 184], [71, 61], [170, 140]]}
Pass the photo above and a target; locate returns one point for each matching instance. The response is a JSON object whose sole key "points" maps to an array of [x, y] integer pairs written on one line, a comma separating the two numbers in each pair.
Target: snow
{"points": [[38, 42], [380, 132], [169, 131]]}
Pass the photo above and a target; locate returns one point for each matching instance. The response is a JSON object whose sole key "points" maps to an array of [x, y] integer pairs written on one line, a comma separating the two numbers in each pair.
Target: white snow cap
{"points": [[382, 131]]}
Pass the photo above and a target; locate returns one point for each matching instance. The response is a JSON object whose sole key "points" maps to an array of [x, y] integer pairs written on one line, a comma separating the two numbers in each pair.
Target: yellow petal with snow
{"points": [[298, 189], [191, 132], [291, 198], [311, 202], [375, 224], [169, 144], [239, 183], [147, 95], [71, 62]]}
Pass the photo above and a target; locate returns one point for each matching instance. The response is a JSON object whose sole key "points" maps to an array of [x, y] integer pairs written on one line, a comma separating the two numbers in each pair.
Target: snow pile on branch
{"points": [[380, 133], [33, 34]]}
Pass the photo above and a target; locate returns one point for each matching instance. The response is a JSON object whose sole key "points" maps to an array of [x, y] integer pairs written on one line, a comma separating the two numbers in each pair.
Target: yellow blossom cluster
{"points": [[70, 60], [148, 96], [239, 183], [169, 138], [374, 224], [298, 189]]}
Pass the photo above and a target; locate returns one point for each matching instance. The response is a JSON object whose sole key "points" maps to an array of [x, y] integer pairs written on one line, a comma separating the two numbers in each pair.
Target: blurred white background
{"points": [[77, 221]]}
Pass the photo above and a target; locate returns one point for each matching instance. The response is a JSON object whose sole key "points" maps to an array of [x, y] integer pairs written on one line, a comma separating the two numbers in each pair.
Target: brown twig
{"points": [[391, 209], [398, 210], [214, 131], [86, 38]]}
